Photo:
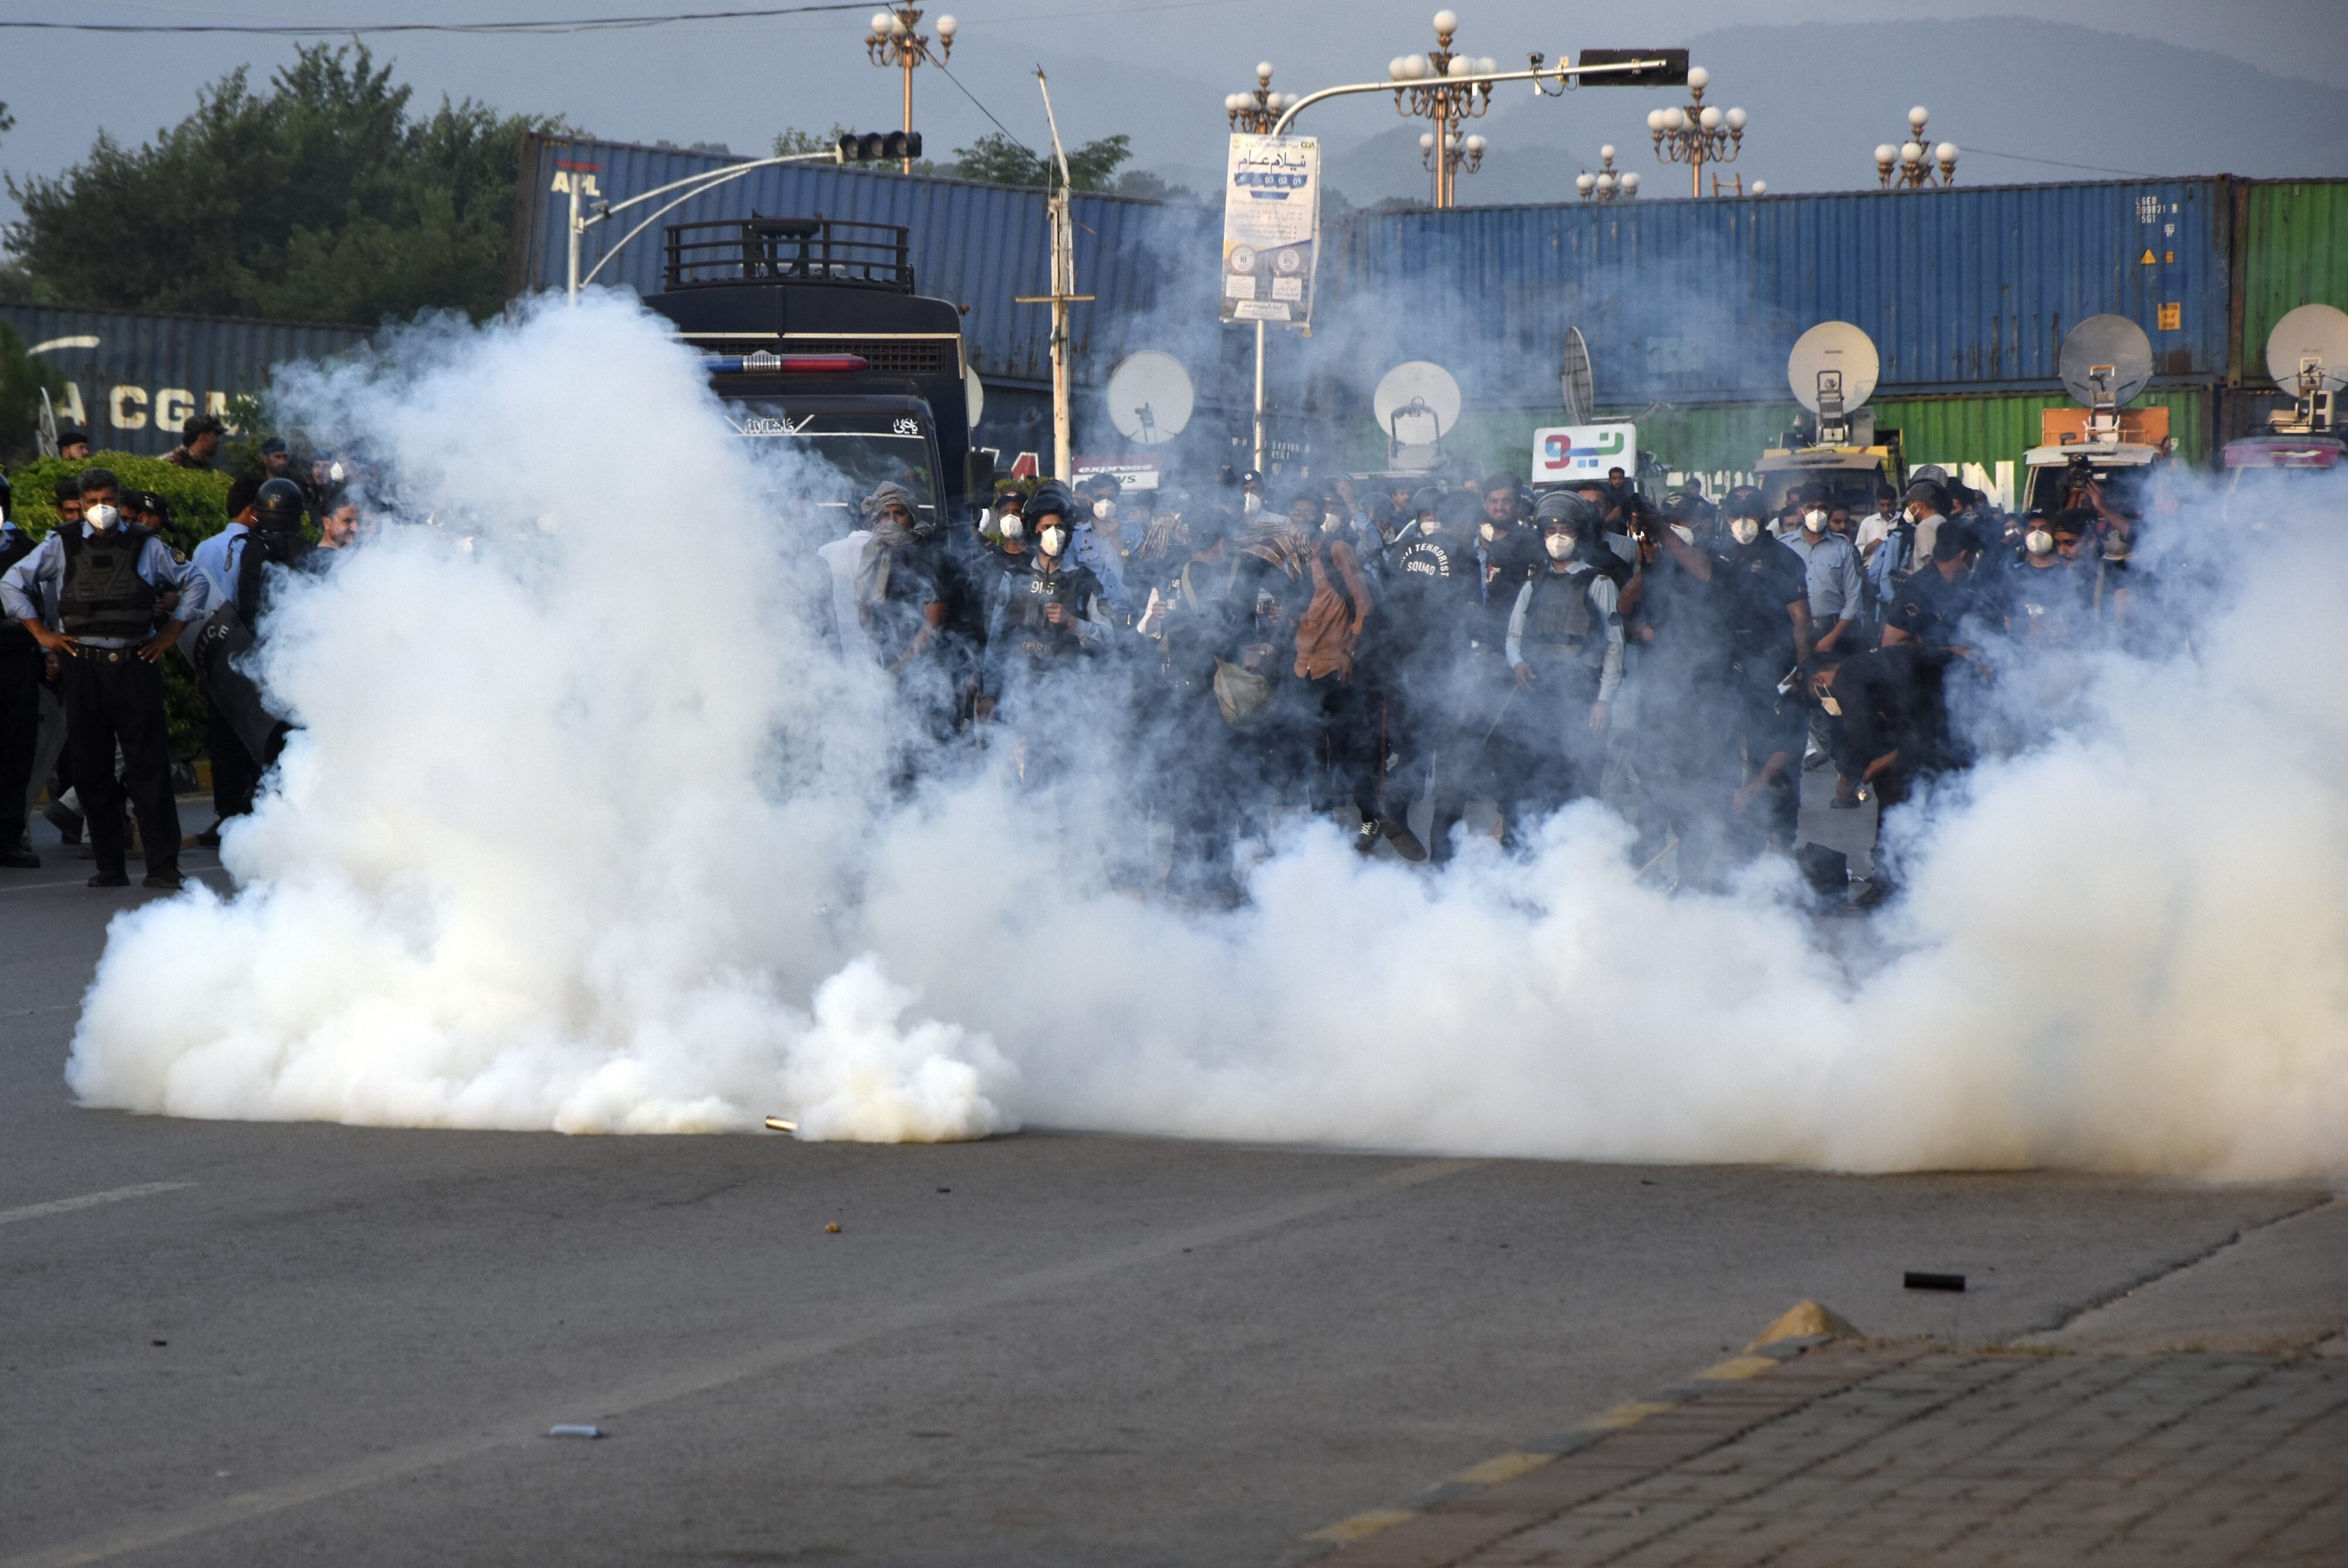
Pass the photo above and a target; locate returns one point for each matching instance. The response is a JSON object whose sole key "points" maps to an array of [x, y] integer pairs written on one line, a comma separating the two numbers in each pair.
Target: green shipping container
{"points": [[1723, 441], [2291, 248]]}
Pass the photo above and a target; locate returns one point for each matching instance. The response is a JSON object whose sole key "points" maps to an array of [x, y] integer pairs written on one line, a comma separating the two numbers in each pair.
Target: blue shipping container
{"points": [[1694, 301], [131, 378], [980, 246]]}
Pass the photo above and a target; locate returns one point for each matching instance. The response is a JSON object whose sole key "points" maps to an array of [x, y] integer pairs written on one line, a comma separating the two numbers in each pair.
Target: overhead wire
{"points": [[561, 24]]}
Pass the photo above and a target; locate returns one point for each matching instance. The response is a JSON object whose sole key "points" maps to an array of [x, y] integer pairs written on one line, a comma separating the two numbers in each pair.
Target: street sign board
{"points": [[1272, 228], [1567, 452]]}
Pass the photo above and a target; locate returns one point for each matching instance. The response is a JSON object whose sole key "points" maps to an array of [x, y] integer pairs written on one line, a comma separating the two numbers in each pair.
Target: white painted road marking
{"points": [[88, 1201]]}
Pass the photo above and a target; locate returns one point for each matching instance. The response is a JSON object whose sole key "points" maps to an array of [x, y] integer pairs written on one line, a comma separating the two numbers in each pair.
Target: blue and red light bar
{"points": [[764, 363]]}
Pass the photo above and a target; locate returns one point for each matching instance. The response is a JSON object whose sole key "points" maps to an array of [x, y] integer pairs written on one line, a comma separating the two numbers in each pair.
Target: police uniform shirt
{"points": [[33, 589], [218, 559], [1930, 608], [1604, 627], [1758, 580]]}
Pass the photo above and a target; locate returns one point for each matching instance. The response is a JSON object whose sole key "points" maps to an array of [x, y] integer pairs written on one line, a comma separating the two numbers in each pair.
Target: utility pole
{"points": [[1063, 291]]}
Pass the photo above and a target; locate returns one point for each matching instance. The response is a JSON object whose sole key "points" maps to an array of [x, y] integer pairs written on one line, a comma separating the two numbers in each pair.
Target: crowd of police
{"points": [[90, 612], [1362, 645], [1359, 647]]}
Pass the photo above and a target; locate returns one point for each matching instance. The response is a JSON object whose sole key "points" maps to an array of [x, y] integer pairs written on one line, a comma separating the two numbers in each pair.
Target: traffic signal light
{"points": [[1672, 73], [874, 145]]}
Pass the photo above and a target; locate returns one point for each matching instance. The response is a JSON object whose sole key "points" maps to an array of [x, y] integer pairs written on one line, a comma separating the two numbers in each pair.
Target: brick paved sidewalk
{"points": [[1900, 1454]]}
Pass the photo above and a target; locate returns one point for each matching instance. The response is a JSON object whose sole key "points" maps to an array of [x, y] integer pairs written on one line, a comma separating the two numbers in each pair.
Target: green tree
{"points": [[23, 378], [997, 159], [320, 199]]}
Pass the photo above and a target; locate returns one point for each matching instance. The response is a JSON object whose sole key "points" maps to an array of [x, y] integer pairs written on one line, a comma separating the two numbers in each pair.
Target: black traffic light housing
{"points": [[877, 146], [1672, 73]]}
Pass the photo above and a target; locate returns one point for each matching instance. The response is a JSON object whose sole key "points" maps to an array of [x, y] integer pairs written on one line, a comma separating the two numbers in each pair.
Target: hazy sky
{"points": [[2156, 86]]}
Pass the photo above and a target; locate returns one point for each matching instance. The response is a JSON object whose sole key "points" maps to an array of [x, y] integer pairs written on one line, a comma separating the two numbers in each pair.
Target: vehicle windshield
{"points": [[863, 448], [2053, 488]]}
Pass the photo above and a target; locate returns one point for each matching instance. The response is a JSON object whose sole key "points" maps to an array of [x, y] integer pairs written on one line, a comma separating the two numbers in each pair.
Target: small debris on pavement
{"points": [[832, 1229], [572, 1431], [1914, 1280], [776, 1124]]}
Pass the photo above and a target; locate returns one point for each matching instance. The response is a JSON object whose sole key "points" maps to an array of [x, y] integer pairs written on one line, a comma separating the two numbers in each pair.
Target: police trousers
{"points": [[115, 698], [20, 735]]}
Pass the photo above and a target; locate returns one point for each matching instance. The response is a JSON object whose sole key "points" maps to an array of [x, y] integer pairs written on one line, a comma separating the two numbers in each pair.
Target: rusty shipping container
{"points": [[132, 378]]}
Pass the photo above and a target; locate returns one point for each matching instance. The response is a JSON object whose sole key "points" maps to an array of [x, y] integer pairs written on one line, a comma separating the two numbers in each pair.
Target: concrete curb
{"points": [[1614, 1449]]}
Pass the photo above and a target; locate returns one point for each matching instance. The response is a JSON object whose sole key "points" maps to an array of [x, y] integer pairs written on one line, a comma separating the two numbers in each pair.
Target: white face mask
{"points": [[1104, 510], [2038, 542], [1430, 524], [1745, 530], [1687, 534], [1012, 526], [1814, 521], [100, 517], [1053, 540], [1491, 532], [1253, 504], [1559, 545]]}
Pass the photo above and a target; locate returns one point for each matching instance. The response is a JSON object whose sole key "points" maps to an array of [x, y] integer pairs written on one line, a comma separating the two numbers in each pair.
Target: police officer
{"points": [[73, 443], [90, 593], [1932, 606], [1764, 609], [264, 526], [1564, 648], [1047, 618], [1434, 591], [1891, 734], [21, 668]]}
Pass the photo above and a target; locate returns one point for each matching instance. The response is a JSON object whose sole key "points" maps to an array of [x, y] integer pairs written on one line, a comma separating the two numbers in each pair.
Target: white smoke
{"points": [[585, 831]]}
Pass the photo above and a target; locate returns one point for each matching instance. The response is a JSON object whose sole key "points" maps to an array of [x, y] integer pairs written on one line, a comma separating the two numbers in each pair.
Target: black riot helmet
{"points": [[278, 506]]}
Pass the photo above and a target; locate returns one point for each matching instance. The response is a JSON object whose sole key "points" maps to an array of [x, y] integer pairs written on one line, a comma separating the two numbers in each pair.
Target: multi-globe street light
{"points": [[1606, 185], [893, 38], [1255, 113], [1424, 89], [1699, 134], [1915, 158]]}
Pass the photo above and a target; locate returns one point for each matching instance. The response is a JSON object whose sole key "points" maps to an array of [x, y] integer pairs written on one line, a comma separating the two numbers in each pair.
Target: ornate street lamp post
{"points": [[1254, 113], [1699, 134], [1606, 185], [1424, 89], [1915, 158], [894, 38]]}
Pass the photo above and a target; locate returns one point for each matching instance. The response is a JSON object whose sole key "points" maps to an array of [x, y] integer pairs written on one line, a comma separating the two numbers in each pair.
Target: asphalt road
{"points": [[330, 1345]]}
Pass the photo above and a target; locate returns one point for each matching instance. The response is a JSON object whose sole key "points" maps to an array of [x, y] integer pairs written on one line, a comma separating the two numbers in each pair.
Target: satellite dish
{"points": [[1416, 403], [2105, 362], [1150, 398], [974, 393], [1834, 364], [1580, 390], [2315, 337]]}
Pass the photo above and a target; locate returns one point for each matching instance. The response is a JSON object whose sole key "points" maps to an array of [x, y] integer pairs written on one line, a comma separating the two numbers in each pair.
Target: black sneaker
{"points": [[209, 839], [109, 879], [20, 860], [1367, 839], [171, 881], [1404, 841]]}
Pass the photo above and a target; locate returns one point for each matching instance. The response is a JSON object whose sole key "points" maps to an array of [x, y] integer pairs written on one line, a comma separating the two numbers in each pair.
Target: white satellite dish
{"points": [[1150, 398], [1416, 403], [974, 393], [1580, 389], [1833, 363], [2105, 361], [2312, 339]]}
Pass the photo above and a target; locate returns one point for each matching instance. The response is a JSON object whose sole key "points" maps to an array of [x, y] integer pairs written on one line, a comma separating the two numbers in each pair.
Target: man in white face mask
{"points": [[1830, 569], [91, 595], [1045, 622], [1565, 650]]}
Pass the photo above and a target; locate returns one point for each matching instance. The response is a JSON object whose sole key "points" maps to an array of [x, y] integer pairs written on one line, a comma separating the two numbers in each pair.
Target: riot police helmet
{"points": [[277, 506]]}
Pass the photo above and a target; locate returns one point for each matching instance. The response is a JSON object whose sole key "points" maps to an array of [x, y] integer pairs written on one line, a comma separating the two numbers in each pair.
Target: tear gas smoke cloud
{"points": [[585, 831]]}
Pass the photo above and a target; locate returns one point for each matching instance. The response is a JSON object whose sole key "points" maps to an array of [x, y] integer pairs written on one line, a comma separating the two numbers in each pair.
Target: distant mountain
{"points": [[1823, 95]]}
